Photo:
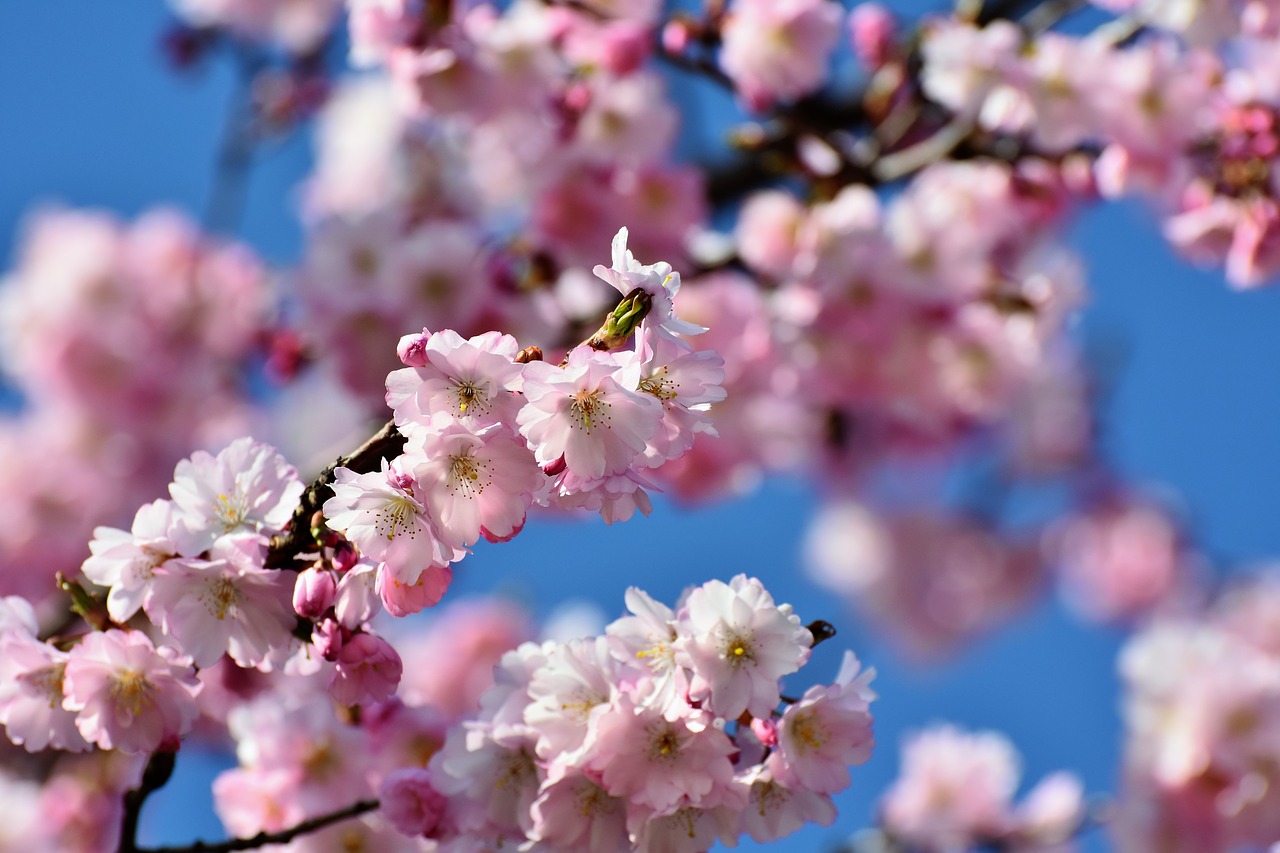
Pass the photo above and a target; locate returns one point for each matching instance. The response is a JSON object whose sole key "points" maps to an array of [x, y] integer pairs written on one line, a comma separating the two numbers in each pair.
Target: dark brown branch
{"points": [[262, 839], [387, 443], [154, 776]]}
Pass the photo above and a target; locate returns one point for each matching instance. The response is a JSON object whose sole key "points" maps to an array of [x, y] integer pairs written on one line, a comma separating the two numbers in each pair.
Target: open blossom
{"points": [[468, 379], [475, 481], [573, 812], [127, 561], [588, 413], [826, 732], [686, 382], [775, 810], [954, 790], [31, 694], [568, 692], [127, 694], [248, 487], [646, 639], [382, 514], [659, 763], [777, 50], [738, 643], [227, 604]]}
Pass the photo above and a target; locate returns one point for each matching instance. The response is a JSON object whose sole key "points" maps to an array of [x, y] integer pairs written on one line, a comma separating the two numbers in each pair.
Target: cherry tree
{"points": [[521, 298]]}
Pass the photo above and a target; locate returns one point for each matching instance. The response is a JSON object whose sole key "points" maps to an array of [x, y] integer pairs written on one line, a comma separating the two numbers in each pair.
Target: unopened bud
{"points": [[529, 354], [412, 349], [676, 36], [553, 468], [329, 637], [872, 29], [313, 592], [624, 320], [345, 556]]}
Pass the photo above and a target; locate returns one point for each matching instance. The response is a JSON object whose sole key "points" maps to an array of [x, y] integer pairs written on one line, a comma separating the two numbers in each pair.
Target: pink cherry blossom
{"points": [[248, 487], [127, 694], [777, 50], [658, 280], [127, 562], [659, 763], [469, 379], [738, 643], [367, 670], [826, 732], [227, 604], [588, 412], [382, 513], [954, 789], [409, 802], [475, 481], [31, 695]]}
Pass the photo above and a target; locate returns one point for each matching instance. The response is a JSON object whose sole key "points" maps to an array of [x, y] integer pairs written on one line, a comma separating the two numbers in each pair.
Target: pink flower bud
{"points": [[625, 47], [676, 37], [872, 28], [329, 637], [553, 468], [345, 556], [368, 670], [410, 804], [412, 349], [313, 592], [766, 730]]}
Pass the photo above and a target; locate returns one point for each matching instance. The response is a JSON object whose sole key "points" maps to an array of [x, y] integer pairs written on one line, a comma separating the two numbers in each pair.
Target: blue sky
{"points": [[89, 116]]}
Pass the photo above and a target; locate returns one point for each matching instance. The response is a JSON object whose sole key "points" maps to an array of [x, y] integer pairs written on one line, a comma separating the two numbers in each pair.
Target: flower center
{"points": [[738, 649], [469, 395], [231, 510], [660, 385], [395, 517], [589, 410], [131, 690], [220, 595], [465, 476]]}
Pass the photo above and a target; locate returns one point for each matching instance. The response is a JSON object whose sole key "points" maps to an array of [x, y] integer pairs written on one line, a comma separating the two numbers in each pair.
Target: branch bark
{"points": [[296, 540]]}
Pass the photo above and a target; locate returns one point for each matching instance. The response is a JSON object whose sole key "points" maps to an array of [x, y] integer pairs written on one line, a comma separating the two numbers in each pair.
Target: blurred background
{"points": [[95, 116]]}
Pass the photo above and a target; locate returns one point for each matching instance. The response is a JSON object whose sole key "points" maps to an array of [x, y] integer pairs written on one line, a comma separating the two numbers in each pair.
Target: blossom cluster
{"points": [[663, 733], [1202, 705], [130, 343], [194, 565], [955, 792], [491, 432]]}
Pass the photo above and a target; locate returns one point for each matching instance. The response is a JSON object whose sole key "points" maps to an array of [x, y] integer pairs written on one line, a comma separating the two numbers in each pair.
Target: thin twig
{"points": [[227, 195], [262, 839]]}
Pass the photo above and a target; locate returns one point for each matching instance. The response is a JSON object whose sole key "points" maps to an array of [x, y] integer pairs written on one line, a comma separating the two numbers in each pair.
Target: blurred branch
{"points": [[225, 207], [154, 776], [262, 839]]}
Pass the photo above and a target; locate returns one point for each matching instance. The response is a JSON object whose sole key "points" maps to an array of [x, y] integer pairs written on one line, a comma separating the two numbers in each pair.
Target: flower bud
{"points": [[329, 637], [412, 349], [872, 28], [313, 592], [410, 803]]}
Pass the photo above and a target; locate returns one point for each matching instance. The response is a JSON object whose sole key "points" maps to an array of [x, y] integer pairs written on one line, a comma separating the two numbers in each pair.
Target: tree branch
{"points": [[262, 839], [296, 539], [154, 776]]}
